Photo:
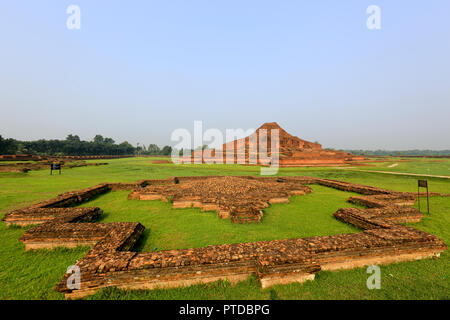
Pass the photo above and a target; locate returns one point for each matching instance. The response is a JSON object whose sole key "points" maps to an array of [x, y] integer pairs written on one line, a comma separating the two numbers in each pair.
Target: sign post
{"points": [[423, 184], [55, 166]]}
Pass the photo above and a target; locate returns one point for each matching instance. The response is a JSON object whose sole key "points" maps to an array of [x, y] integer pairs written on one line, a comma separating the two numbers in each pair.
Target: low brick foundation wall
{"points": [[111, 263]]}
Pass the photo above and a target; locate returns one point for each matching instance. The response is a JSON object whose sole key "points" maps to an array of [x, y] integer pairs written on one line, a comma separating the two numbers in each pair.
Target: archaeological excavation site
{"points": [[112, 262], [290, 150]]}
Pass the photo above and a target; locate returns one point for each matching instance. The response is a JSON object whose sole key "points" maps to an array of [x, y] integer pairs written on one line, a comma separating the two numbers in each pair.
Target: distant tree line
{"points": [[400, 152], [153, 150], [73, 145]]}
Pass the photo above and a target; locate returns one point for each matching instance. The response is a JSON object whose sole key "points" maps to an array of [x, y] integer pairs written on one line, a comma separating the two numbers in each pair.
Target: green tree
{"points": [[166, 150], [153, 149], [72, 145], [98, 139]]}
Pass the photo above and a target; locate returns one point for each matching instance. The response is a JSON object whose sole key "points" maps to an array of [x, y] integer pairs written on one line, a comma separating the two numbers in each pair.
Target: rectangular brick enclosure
{"points": [[110, 262]]}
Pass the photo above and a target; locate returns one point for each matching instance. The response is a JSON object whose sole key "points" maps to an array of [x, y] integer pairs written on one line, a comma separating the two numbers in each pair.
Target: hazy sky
{"points": [[137, 70]]}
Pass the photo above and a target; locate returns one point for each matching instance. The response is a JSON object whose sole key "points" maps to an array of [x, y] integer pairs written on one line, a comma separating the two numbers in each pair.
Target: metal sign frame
{"points": [[423, 184], [55, 166]]}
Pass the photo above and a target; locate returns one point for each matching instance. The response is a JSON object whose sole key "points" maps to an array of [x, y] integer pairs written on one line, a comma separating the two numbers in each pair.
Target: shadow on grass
{"points": [[140, 244]]}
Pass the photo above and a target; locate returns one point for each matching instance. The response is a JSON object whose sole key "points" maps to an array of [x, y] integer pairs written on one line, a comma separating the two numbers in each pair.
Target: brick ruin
{"points": [[31, 157], [45, 164], [293, 151], [239, 198], [111, 261], [27, 162]]}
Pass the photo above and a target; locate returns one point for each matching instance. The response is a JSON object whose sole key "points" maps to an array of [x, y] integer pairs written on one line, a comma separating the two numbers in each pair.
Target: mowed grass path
{"points": [[32, 275], [432, 166]]}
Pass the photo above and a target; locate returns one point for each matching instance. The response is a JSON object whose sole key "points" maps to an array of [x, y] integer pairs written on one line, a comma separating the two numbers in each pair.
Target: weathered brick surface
{"points": [[384, 200], [31, 216], [353, 187], [72, 197], [378, 217], [111, 263], [240, 198], [292, 151]]}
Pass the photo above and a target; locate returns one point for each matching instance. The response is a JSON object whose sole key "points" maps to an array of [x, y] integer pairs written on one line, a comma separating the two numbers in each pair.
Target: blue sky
{"points": [[138, 70]]}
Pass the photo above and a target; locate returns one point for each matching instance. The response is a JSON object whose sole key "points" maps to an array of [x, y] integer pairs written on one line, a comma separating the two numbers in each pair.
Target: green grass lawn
{"points": [[32, 275], [432, 166]]}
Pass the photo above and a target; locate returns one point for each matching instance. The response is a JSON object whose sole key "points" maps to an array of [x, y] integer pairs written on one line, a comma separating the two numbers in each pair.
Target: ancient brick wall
{"points": [[239, 198], [291, 150], [111, 263]]}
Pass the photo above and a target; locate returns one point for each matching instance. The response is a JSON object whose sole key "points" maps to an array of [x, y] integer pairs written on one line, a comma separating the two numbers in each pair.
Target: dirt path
{"points": [[393, 165]]}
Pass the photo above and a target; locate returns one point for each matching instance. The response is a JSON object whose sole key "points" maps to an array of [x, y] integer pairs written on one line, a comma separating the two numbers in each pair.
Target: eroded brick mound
{"points": [[292, 151], [239, 198], [111, 263]]}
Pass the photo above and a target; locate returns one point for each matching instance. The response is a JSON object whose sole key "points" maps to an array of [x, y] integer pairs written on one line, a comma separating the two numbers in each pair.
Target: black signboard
{"points": [[55, 166], [423, 184]]}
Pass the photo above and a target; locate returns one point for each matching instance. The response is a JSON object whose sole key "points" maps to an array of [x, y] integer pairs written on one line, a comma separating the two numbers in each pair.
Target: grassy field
{"points": [[167, 228], [431, 166], [32, 275]]}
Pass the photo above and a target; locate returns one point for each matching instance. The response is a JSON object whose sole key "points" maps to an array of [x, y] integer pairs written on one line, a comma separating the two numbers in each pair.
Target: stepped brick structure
{"points": [[111, 262], [292, 151], [239, 198]]}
